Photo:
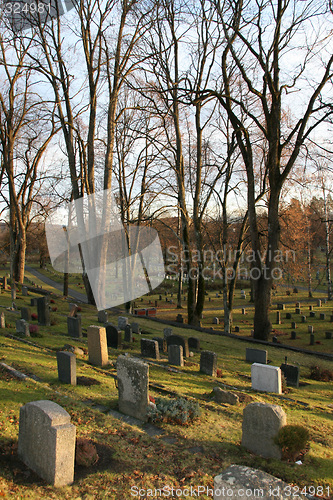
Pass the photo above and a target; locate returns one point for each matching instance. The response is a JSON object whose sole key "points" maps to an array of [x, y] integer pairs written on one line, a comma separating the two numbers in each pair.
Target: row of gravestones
{"points": [[46, 442]]}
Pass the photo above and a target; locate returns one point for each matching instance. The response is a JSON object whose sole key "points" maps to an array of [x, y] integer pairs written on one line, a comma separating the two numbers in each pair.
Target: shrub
{"points": [[33, 329], [85, 453], [321, 374], [54, 309], [52, 301], [292, 439], [178, 410]]}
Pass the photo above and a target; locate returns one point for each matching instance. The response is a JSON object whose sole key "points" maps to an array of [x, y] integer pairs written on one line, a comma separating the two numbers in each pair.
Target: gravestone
{"points": [[256, 355], [243, 294], [303, 318], [25, 313], [167, 332], [33, 301], [318, 303], [236, 329], [133, 387], [266, 378], [113, 336], [208, 363], [310, 328], [102, 316], [4, 282], [135, 328], [74, 326], [179, 318], [149, 349], [331, 318], [328, 335], [310, 308], [175, 355], [312, 314], [2, 320], [216, 321], [322, 316], [291, 373], [236, 480], [194, 343], [178, 340], [22, 326], [278, 318], [46, 442], [243, 311], [97, 346], [297, 310], [24, 291], [122, 322], [222, 396], [66, 362], [73, 309], [281, 307], [288, 315], [293, 335], [162, 345], [43, 311], [312, 339], [261, 424], [298, 305], [293, 325], [275, 340], [128, 337]]}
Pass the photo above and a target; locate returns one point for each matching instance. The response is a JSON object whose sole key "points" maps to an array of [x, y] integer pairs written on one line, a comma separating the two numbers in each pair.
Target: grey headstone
{"points": [[2, 320], [113, 336], [22, 327], [312, 339], [128, 337], [135, 327], [24, 291], [310, 328], [33, 301], [26, 313], [74, 326], [43, 311], [149, 349], [208, 363], [46, 442], [291, 373], [97, 346], [266, 378], [178, 340], [167, 332], [221, 396], [261, 424], [239, 482], [122, 322], [194, 343], [102, 316], [66, 362], [175, 355], [256, 355], [133, 387]]}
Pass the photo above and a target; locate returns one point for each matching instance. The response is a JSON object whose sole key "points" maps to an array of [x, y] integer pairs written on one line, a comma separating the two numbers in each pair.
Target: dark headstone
{"points": [[291, 373], [278, 318], [66, 367], [288, 315], [312, 314], [26, 313], [275, 340], [149, 349], [175, 355], [162, 344], [33, 301], [328, 335], [178, 340], [24, 291], [236, 329], [331, 318], [113, 336], [297, 310], [310, 308], [194, 343], [43, 311], [128, 334], [312, 339], [180, 318], [208, 363], [102, 316], [322, 316], [293, 325], [293, 335], [256, 355], [303, 318], [280, 307], [74, 326]]}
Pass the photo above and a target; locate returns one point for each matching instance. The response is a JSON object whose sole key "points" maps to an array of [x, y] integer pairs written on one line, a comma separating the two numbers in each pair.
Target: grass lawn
{"points": [[129, 457]]}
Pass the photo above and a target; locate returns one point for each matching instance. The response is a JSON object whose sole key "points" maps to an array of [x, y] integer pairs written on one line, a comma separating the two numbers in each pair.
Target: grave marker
{"points": [[256, 355], [310, 329], [46, 442], [136, 328], [133, 387], [328, 335], [128, 334], [216, 321], [288, 315], [74, 326], [43, 311], [24, 291], [2, 320], [22, 327], [278, 318], [293, 335], [175, 355], [66, 362], [122, 322], [322, 316], [167, 332], [291, 373], [312, 314], [208, 363], [97, 346], [194, 343], [73, 309], [261, 424], [266, 378], [113, 336], [149, 349], [26, 313], [102, 316], [162, 345], [178, 340]]}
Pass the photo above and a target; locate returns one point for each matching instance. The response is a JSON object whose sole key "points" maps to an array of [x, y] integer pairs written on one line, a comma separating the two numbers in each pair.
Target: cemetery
{"points": [[129, 401]]}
